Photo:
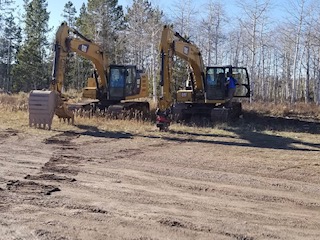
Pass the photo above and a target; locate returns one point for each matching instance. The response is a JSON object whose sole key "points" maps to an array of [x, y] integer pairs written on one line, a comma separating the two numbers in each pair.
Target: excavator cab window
{"points": [[131, 81], [117, 84], [215, 79]]}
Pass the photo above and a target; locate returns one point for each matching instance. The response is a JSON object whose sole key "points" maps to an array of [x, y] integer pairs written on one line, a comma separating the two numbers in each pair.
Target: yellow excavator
{"points": [[112, 87], [205, 99]]}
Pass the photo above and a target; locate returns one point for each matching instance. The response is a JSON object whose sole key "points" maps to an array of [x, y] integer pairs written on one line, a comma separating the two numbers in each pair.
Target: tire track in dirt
{"points": [[7, 133], [136, 170], [35, 185], [63, 160], [17, 190], [31, 187], [139, 196]]}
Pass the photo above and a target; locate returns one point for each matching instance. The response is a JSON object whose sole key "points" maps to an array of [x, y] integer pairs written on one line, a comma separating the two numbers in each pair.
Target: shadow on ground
{"points": [[85, 130], [251, 129], [261, 122], [96, 132]]}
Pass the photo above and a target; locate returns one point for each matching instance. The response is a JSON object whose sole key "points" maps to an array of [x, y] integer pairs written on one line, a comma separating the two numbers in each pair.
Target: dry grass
{"points": [[297, 110], [18, 119], [260, 117], [16, 102]]}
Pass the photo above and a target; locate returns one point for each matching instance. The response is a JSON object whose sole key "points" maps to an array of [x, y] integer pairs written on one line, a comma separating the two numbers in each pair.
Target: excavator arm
{"points": [[173, 44], [82, 46]]}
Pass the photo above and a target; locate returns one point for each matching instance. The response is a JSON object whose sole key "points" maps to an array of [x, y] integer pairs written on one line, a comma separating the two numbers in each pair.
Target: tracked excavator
{"points": [[205, 99], [112, 87]]}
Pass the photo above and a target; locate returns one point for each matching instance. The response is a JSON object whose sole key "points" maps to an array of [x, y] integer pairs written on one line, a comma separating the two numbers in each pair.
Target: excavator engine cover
{"points": [[90, 92], [42, 106], [184, 95]]}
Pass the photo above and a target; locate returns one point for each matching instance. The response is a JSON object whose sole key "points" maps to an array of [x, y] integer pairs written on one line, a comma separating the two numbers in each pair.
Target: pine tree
{"points": [[5, 11], [9, 46], [107, 18], [82, 22], [69, 15], [144, 25], [83, 66], [32, 71], [5, 14]]}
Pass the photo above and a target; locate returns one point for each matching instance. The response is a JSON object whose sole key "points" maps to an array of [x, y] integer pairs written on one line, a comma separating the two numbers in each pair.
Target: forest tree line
{"points": [[281, 54]]}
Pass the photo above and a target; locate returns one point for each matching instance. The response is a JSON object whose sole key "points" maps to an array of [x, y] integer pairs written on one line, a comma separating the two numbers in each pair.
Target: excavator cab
{"points": [[215, 87], [126, 82]]}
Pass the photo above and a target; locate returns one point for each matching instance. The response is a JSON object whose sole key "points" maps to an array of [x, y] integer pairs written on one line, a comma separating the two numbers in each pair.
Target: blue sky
{"points": [[55, 7]]}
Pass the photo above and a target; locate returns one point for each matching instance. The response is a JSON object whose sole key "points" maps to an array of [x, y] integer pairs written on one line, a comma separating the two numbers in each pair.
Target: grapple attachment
{"points": [[42, 106]]}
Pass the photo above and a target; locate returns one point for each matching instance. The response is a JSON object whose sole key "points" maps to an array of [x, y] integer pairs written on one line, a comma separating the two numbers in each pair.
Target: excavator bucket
{"points": [[42, 106]]}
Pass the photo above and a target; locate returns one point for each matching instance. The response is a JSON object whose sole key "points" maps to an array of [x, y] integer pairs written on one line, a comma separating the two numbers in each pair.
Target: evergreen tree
{"points": [[31, 71], [5, 10], [82, 22], [69, 14], [83, 67], [137, 33], [5, 13], [107, 19], [9, 46], [144, 25]]}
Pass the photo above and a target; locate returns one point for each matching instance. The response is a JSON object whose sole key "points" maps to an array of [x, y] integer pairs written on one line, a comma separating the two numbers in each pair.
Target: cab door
{"points": [[243, 85], [215, 83], [117, 82]]}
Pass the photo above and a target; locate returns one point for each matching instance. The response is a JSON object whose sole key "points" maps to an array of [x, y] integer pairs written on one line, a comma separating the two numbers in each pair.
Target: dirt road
{"points": [[94, 184]]}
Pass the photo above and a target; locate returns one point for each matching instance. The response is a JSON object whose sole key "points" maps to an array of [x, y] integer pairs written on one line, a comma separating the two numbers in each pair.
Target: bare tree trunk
{"points": [[307, 81], [317, 90], [255, 12]]}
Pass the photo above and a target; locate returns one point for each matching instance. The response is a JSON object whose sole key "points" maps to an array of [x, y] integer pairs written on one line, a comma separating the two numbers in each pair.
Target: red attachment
{"points": [[162, 119]]}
